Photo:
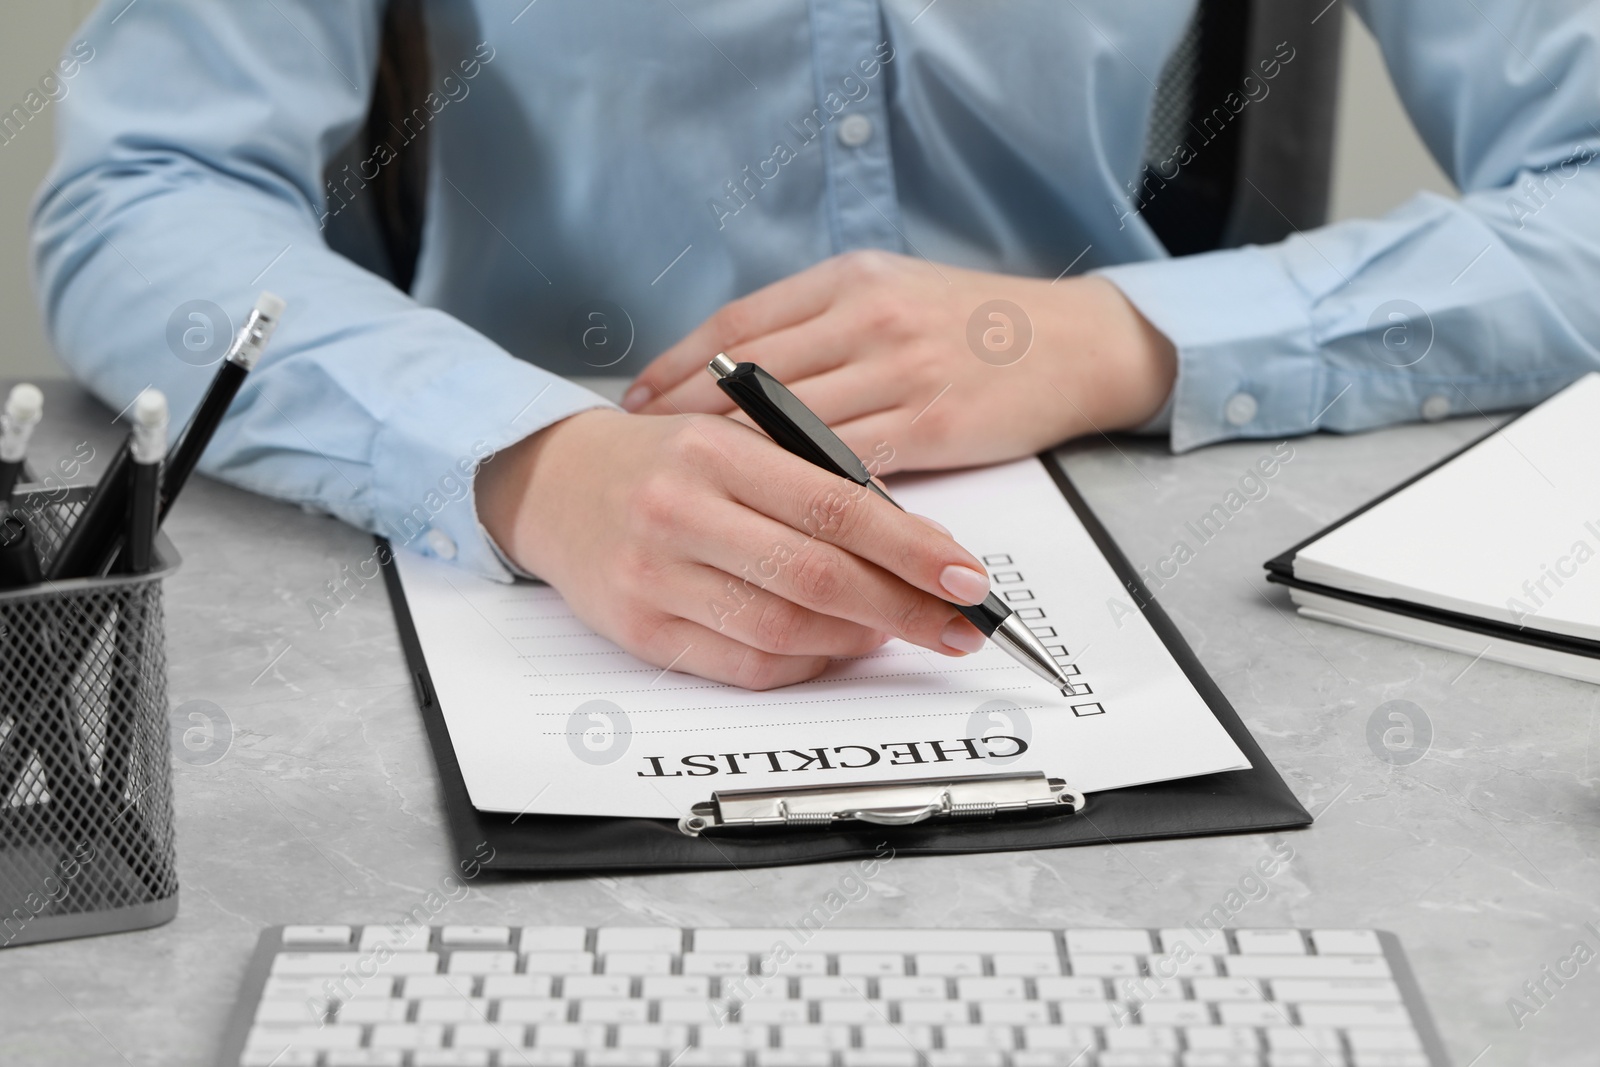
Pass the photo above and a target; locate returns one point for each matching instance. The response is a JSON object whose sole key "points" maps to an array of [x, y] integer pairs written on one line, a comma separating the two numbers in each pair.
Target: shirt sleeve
{"points": [[188, 178], [1441, 307]]}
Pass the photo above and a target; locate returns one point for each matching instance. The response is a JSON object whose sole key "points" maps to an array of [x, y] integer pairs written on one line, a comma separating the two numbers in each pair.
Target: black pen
{"points": [[148, 447], [24, 408], [797, 429], [248, 344]]}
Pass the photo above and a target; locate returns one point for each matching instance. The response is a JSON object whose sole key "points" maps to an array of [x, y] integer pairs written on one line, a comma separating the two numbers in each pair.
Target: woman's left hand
{"points": [[947, 367]]}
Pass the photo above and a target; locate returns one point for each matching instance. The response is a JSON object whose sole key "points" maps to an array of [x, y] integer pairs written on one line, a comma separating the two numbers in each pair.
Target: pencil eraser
{"points": [[25, 405], [270, 305], [150, 408]]}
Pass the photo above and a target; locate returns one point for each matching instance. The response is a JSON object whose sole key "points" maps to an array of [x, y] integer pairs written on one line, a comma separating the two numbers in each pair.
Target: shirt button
{"points": [[1436, 407], [441, 544], [855, 130], [1240, 409]]}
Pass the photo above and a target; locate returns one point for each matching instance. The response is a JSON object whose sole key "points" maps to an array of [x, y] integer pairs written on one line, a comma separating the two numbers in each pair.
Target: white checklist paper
{"points": [[546, 716]]}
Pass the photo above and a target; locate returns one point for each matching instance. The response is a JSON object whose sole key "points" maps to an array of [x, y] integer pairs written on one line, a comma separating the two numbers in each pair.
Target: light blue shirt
{"points": [[651, 159]]}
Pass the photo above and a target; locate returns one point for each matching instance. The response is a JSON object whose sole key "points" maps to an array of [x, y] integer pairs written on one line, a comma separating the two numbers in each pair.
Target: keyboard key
{"points": [[321, 936], [552, 939], [1175, 1013], [1354, 1015], [1227, 989], [964, 1058], [397, 938], [899, 942], [558, 963], [1051, 1059], [1301, 1038], [490, 1036], [1346, 942], [1142, 1038], [365, 1057], [1221, 1038], [622, 1057], [1301, 1058], [373, 1011], [736, 1036], [1014, 1012], [833, 987], [975, 1037], [1027, 964], [407, 1035], [1091, 1012], [291, 1011], [671, 1036], [580, 986], [991, 989], [638, 963], [793, 1057], [614, 1010], [656, 986], [459, 1010], [1069, 1038], [1201, 1058], [708, 1057], [1270, 942], [899, 1035], [879, 1057], [804, 963], [482, 963], [1107, 943], [496, 986], [532, 1010], [668, 939], [476, 936], [1105, 966], [332, 963], [933, 1012], [914, 987], [1201, 941], [569, 1035], [699, 1011], [831, 1038], [946, 963], [1384, 1040], [1070, 989], [1140, 1058], [1360, 990], [854, 1010], [450, 1057], [442, 986], [1193, 967], [1390, 1059], [771, 1012], [871, 963], [1253, 1013], [1307, 967], [716, 963]]}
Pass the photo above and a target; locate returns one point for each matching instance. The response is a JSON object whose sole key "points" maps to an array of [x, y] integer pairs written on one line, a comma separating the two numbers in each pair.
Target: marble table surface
{"points": [[1480, 854]]}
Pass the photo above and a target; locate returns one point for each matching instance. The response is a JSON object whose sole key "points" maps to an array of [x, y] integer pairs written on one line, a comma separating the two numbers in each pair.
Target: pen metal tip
{"points": [[721, 366], [25, 404]]}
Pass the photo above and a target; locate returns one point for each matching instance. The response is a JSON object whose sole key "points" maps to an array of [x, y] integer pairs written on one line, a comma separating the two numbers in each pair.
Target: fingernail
{"points": [[962, 636], [635, 398], [965, 584], [935, 525]]}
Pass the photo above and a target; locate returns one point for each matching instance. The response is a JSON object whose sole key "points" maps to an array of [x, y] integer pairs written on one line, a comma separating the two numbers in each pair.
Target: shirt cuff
{"points": [[429, 448], [1247, 363]]}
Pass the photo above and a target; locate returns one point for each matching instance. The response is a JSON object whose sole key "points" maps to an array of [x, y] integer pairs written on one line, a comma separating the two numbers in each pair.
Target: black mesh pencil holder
{"points": [[85, 773]]}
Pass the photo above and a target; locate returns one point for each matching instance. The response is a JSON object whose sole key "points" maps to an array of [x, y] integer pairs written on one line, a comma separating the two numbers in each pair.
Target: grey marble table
{"points": [[1480, 854]]}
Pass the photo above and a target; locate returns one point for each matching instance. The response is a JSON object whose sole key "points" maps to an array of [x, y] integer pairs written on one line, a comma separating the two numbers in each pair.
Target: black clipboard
{"points": [[1248, 801]]}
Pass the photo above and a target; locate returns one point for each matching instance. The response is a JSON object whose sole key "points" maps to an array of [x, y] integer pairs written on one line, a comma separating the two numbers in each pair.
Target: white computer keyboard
{"points": [[505, 996]]}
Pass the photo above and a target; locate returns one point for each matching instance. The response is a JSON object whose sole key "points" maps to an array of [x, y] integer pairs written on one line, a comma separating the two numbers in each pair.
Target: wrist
{"points": [[1128, 364], [518, 491]]}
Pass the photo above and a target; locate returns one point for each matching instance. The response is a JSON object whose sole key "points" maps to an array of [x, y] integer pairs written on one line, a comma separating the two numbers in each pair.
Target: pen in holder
{"points": [[86, 835]]}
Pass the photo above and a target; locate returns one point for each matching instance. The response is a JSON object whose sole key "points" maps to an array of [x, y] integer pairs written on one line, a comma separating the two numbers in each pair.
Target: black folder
{"points": [[1248, 801]]}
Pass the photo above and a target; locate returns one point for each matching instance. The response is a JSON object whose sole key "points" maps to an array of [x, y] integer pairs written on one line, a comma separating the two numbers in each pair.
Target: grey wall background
{"points": [[1378, 160]]}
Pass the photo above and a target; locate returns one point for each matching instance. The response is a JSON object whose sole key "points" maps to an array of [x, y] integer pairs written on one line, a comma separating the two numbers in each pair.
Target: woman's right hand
{"points": [[697, 543]]}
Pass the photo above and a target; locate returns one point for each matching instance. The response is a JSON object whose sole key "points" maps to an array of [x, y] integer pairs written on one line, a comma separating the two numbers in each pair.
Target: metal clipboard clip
{"points": [[883, 803]]}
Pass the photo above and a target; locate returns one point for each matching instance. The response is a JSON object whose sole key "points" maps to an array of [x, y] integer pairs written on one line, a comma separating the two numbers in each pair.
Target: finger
{"points": [[738, 606], [850, 392], [683, 645], [859, 522], [817, 579], [783, 303]]}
